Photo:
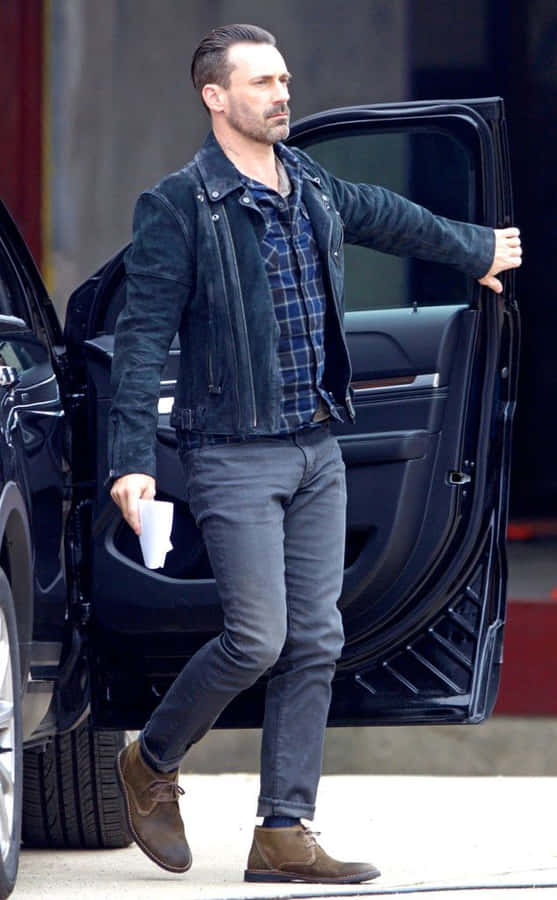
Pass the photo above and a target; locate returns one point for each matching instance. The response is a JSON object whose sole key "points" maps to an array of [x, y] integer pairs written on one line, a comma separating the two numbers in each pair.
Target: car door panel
{"points": [[427, 463], [402, 489], [32, 421], [34, 469]]}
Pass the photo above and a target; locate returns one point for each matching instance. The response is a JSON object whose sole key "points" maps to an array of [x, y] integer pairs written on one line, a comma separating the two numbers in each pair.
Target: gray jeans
{"points": [[272, 515]]}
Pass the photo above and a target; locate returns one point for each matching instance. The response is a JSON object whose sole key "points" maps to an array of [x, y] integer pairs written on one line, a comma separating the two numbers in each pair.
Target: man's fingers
{"points": [[495, 285], [507, 255], [148, 493], [492, 283], [126, 498], [126, 493], [508, 234], [132, 513]]}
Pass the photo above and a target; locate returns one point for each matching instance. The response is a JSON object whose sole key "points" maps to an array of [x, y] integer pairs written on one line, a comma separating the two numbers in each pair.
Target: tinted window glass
{"points": [[23, 352], [17, 299], [429, 167], [12, 298]]}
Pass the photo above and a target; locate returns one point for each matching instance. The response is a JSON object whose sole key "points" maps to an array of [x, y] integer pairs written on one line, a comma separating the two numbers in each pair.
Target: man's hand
{"points": [[127, 490], [508, 255]]}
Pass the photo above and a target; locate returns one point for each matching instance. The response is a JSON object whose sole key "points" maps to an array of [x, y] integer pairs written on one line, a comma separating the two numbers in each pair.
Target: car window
{"points": [[12, 295], [16, 299], [23, 352], [430, 167]]}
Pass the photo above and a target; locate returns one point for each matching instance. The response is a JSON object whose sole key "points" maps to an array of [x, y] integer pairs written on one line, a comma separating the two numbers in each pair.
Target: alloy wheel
{"points": [[7, 740]]}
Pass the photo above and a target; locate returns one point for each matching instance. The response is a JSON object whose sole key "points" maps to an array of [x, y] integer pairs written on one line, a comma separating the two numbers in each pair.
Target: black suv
{"points": [[90, 639]]}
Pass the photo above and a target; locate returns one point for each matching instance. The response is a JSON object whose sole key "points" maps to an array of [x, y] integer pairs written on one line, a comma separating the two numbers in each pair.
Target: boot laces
{"points": [[310, 836], [165, 791]]}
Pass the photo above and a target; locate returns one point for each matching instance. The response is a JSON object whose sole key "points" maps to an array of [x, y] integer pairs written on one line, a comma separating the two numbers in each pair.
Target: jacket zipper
{"points": [[210, 376], [347, 398], [244, 323], [213, 388], [234, 351]]}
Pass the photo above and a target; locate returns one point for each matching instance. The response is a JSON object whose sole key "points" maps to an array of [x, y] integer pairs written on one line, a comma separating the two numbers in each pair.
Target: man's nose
{"points": [[282, 92]]}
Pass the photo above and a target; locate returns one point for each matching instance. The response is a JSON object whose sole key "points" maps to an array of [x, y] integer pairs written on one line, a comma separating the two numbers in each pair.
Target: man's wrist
{"points": [[115, 474]]}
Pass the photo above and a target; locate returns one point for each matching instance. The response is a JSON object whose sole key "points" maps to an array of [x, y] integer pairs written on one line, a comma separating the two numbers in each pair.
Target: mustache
{"points": [[278, 108]]}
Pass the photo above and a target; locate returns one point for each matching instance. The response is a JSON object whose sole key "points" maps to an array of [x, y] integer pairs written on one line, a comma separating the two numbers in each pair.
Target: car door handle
{"points": [[456, 478], [404, 382]]}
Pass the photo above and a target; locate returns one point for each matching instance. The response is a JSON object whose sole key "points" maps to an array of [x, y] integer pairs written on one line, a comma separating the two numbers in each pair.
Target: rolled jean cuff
{"points": [[153, 762], [267, 806]]}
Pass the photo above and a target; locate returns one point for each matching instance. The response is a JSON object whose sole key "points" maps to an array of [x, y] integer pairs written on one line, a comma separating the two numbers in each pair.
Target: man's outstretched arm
{"points": [[378, 218]]}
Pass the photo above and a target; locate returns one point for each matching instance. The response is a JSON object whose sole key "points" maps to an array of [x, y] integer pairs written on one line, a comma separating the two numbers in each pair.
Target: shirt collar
{"points": [[259, 188]]}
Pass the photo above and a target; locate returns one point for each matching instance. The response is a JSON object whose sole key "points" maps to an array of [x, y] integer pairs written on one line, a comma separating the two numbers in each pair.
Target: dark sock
{"points": [[280, 822]]}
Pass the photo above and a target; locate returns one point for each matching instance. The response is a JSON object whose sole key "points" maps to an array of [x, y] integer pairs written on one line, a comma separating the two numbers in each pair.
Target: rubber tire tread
{"points": [[71, 795]]}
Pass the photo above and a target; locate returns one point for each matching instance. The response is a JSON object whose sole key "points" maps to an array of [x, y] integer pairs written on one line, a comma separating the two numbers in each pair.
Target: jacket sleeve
{"points": [[383, 220], [159, 276]]}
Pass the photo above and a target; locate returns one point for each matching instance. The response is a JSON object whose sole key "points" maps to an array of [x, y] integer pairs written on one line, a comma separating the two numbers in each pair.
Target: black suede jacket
{"points": [[195, 267]]}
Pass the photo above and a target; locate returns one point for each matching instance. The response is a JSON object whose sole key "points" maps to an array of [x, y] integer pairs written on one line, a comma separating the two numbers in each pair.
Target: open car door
{"points": [[434, 375]]}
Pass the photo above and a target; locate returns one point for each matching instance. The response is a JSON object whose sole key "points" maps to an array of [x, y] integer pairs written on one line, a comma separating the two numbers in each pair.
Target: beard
{"points": [[260, 128]]}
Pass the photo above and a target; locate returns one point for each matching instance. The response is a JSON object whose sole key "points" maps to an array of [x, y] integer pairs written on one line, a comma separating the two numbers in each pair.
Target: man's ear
{"points": [[213, 96]]}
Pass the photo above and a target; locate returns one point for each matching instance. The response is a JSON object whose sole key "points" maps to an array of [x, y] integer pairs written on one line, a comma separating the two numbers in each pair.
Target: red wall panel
{"points": [[529, 672], [21, 76]]}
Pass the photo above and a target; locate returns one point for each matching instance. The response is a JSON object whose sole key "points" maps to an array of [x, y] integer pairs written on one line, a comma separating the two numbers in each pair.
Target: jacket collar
{"points": [[221, 177]]}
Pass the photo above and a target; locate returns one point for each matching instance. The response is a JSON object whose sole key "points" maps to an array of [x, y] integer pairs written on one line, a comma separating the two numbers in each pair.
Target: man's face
{"points": [[255, 104]]}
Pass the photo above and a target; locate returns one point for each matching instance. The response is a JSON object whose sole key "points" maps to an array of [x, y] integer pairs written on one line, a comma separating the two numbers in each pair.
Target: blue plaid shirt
{"points": [[295, 276]]}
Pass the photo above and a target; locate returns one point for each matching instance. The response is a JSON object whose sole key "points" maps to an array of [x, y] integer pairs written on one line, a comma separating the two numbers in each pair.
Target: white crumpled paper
{"points": [[156, 525]]}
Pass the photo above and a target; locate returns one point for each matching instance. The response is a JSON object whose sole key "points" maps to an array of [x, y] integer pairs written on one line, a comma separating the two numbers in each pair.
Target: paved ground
{"points": [[467, 837]]}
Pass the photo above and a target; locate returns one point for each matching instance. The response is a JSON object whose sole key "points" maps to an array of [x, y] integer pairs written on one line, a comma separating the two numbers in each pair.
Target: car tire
{"points": [[71, 795], [11, 766]]}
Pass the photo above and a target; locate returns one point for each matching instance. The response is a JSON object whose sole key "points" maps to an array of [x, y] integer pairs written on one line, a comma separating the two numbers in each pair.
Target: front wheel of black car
{"points": [[71, 796], [10, 742]]}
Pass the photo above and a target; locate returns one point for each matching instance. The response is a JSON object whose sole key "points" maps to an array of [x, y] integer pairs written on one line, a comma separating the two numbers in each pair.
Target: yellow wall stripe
{"points": [[46, 156]]}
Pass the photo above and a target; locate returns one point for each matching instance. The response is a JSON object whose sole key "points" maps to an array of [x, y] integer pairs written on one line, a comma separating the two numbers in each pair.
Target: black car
{"points": [[90, 639]]}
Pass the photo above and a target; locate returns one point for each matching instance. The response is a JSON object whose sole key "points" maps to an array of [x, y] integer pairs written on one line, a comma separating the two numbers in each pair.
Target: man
{"points": [[240, 253]]}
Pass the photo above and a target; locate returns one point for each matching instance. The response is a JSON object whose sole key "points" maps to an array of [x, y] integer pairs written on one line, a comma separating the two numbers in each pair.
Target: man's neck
{"points": [[252, 158]]}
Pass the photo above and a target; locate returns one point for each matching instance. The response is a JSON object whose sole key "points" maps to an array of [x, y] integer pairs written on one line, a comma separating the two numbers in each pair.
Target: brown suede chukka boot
{"points": [[293, 854], [152, 809]]}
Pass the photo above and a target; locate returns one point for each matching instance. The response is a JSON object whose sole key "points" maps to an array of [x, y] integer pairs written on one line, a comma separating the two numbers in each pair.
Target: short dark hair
{"points": [[210, 63]]}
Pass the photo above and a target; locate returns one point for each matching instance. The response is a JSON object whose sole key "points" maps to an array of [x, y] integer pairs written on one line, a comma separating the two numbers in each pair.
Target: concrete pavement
{"points": [[467, 837]]}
